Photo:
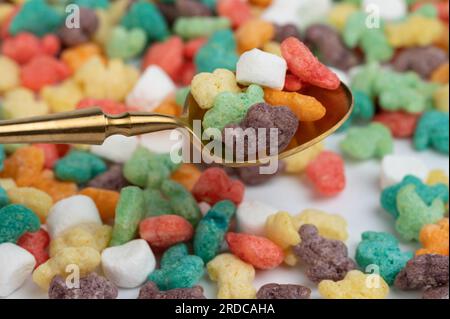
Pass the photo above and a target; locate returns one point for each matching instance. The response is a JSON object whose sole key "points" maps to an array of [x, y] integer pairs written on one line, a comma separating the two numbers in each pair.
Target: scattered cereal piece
{"points": [[92, 286], [434, 238]]}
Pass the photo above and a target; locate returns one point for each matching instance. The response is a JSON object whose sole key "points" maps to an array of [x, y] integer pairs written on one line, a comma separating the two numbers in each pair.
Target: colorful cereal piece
{"points": [[434, 238], [36, 244], [327, 173], [432, 132], [16, 220], [92, 286]]}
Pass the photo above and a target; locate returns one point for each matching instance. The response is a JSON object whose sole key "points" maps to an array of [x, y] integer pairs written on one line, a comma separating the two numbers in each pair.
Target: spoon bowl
{"points": [[92, 126]]}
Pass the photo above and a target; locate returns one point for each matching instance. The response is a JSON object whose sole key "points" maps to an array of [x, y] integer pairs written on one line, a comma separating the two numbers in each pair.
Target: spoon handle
{"points": [[87, 126]]}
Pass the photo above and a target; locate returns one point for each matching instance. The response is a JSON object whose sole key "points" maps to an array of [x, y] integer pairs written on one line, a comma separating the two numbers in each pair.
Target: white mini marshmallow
{"points": [[386, 9], [128, 265], [151, 89], [116, 148], [252, 215], [395, 167], [282, 12], [162, 142], [71, 211], [16, 265], [262, 68]]}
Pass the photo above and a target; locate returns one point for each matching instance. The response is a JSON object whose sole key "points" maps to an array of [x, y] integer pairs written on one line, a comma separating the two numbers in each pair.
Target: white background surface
{"points": [[359, 204]]}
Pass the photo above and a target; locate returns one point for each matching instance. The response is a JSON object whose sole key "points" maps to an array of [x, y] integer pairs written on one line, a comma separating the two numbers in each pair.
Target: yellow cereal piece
{"points": [[85, 235], [297, 163], [21, 102], [206, 86], [272, 47], [441, 98], [38, 201], [355, 285], [416, 30], [104, 28], [62, 97], [10, 74], [7, 183], [233, 276], [330, 226], [84, 259], [113, 80], [437, 176], [340, 13]]}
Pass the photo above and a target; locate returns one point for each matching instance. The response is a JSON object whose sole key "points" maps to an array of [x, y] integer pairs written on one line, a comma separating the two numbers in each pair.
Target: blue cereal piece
{"points": [[432, 131], [211, 230], [16, 220], [178, 269], [427, 193], [79, 167], [364, 109], [382, 249]]}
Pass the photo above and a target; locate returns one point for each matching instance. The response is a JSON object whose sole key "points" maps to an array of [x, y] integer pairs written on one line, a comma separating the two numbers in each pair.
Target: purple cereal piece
{"points": [[422, 60], [330, 46], [423, 271], [325, 258], [436, 293], [252, 176], [151, 291], [276, 291], [282, 32], [92, 286], [112, 179], [75, 36], [169, 12], [191, 8]]}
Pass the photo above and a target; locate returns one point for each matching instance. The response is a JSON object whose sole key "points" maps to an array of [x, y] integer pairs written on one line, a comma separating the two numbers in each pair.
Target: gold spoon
{"points": [[92, 126]]}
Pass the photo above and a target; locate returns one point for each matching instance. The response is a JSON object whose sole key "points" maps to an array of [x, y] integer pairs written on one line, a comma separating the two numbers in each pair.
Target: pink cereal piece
{"points": [[327, 173], [164, 231], [401, 124], [191, 47], [237, 11], [43, 70], [107, 106], [36, 243], [25, 46], [257, 251], [302, 63], [215, 185], [168, 55]]}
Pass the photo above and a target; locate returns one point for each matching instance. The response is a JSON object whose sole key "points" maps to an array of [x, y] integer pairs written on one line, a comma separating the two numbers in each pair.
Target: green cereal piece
{"points": [[92, 4], [427, 10], [218, 53], [211, 230], [382, 249], [427, 193], [178, 269], [79, 167], [364, 109], [4, 198], [231, 107], [129, 212], [146, 16], [432, 131], [125, 44], [195, 27], [364, 79], [363, 143], [2, 157], [181, 95], [172, 198], [16, 220], [148, 169], [36, 17], [414, 213]]}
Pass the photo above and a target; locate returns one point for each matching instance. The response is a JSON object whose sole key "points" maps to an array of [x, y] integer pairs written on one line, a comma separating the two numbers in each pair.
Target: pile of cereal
{"points": [[126, 216]]}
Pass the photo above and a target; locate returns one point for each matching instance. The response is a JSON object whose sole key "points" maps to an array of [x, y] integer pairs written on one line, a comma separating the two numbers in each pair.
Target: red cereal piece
{"points": [[168, 55], [401, 124], [62, 149], [43, 70], [51, 154], [327, 173], [257, 251], [292, 83], [237, 11], [25, 46], [164, 231], [191, 47], [36, 243], [214, 185], [187, 73], [107, 106], [302, 63]]}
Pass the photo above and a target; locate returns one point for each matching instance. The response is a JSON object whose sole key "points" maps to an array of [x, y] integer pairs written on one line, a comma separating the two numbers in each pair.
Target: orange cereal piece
{"points": [[24, 166], [187, 175], [75, 57], [168, 107], [441, 74], [105, 200], [261, 3], [434, 238], [56, 189], [254, 34], [306, 108]]}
